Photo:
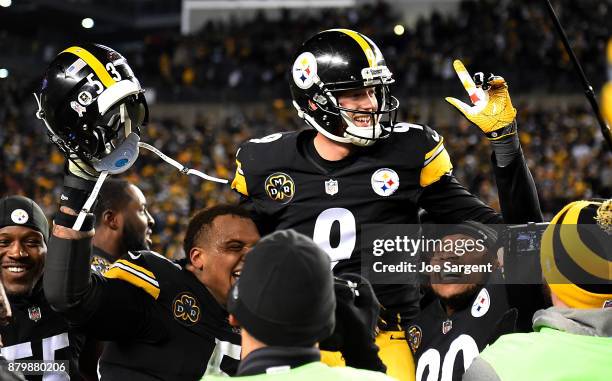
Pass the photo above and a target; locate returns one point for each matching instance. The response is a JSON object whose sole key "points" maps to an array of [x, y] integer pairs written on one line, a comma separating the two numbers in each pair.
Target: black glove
{"points": [[357, 310], [78, 185]]}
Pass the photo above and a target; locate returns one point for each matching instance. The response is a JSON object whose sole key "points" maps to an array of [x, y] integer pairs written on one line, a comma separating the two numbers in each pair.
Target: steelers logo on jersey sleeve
{"points": [[385, 182], [280, 187]]}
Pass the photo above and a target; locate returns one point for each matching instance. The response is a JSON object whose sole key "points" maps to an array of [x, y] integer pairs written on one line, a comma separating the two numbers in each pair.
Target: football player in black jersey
{"points": [[163, 320], [6, 373], [468, 312], [123, 223], [36, 332], [359, 167]]}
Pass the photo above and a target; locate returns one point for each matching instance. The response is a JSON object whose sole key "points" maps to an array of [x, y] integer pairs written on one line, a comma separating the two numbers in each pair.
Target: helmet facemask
{"points": [[340, 125], [384, 115]]}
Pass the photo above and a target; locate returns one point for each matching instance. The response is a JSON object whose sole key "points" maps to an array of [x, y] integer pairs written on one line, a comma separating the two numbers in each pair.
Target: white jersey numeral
{"points": [[49, 346], [222, 348], [431, 359], [348, 233]]}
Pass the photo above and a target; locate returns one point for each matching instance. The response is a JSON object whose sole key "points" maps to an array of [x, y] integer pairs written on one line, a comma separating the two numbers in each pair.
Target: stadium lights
{"points": [[4, 73], [398, 30], [5, 3], [87, 23]]}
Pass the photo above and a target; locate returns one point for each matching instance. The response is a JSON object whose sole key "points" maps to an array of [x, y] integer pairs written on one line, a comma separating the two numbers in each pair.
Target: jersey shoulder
{"points": [[259, 156], [143, 269], [424, 145]]}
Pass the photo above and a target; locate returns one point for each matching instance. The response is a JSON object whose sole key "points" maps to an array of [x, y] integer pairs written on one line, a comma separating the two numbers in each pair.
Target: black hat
{"points": [[285, 294], [21, 211], [472, 229]]}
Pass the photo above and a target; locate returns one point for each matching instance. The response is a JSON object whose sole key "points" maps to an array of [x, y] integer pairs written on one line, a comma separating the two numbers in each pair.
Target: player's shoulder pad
{"points": [[255, 156], [142, 269], [430, 147]]}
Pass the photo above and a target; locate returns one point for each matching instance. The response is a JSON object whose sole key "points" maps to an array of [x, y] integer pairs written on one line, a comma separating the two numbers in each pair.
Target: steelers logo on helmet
{"points": [[19, 216], [385, 182], [338, 61], [305, 70], [280, 187]]}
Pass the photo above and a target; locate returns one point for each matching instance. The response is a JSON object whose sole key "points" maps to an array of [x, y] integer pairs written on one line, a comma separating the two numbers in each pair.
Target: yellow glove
{"points": [[492, 109]]}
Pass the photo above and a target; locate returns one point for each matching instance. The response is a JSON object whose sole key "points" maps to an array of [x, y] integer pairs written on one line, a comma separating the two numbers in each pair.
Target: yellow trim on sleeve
{"points": [[94, 63], [436, 167], [434, 150], [239, 182], [137, 268], [119, 273]]}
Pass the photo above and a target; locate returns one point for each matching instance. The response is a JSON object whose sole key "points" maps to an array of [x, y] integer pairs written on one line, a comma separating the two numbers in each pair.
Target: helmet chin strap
{"points": [[184, 170], [361, 136]]}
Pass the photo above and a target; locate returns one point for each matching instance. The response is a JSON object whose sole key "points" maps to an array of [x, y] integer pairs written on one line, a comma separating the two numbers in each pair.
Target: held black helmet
{"points": [[93, 107], [338, 60]]}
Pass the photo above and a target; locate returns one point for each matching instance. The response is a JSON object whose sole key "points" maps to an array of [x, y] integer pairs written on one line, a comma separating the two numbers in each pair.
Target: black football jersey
{"points": [[159, 321], [444, 346], [39, 333], [288, 185]]}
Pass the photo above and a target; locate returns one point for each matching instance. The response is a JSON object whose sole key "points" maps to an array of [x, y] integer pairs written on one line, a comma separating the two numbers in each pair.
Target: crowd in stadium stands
{"points": [[247, 59], [249, 56], [563, 146]]}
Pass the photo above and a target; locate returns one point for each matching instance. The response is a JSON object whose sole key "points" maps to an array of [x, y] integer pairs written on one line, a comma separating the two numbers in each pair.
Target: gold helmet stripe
{"points": [[94, 63], [367, 49]]}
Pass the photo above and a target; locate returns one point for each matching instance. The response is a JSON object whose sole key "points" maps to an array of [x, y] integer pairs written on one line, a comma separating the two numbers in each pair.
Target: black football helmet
{"points": [[93, 107], [337, 60]]}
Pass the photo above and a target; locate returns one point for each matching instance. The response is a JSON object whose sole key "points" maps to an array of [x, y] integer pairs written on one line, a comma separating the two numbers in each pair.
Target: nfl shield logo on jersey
{"points": [[34, 313], [447, 325], [331, 187]]}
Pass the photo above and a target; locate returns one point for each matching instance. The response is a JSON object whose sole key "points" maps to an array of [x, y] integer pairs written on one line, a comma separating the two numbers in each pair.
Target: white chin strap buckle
{"points": [[122, 158]]}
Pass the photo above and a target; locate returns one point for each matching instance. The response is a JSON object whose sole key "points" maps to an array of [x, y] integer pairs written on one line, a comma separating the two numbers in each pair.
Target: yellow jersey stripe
{"points": [[438, 166], [94, 63], [435, 150], [239, 182], [140, 269], [122, 274], [367, 50]]}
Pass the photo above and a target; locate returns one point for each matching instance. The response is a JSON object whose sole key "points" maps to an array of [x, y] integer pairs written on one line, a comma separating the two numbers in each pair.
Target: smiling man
{"points": [[358, 167], [36, 332], [161, 319]]}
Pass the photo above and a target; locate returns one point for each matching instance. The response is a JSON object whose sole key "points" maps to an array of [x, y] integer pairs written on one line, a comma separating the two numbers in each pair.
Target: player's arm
{"points": [[442, 196], [239, 185], [492, 111], [106, 308]]}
